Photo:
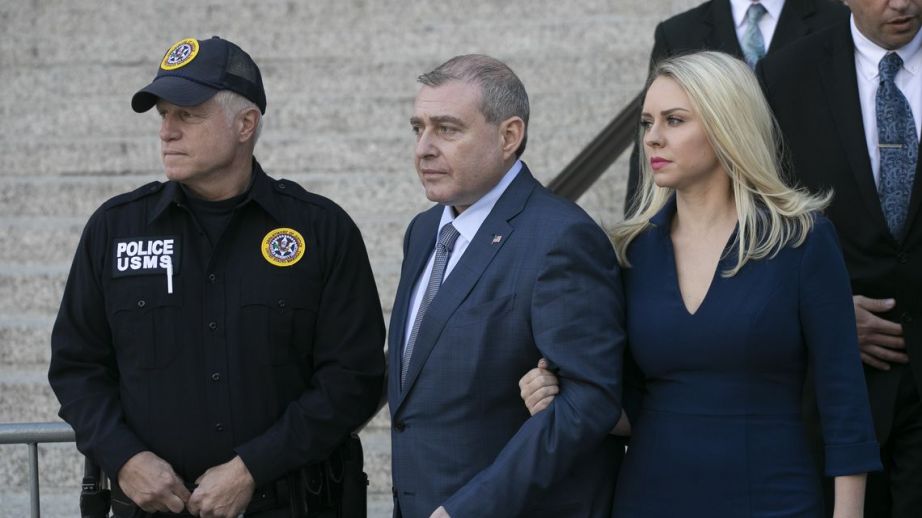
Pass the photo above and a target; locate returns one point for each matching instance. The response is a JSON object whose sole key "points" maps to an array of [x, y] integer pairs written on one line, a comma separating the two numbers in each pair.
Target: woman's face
{"points": [[676, 145]]}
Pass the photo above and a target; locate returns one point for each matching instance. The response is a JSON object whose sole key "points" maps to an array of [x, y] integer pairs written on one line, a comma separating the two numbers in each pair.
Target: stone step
{"points": [[25, 342], [335, 114], [282, 155], [373, 29]]}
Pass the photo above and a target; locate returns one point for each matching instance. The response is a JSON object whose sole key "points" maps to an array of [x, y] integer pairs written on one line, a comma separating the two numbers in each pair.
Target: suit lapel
{"points": [[792, 23], [421, 244], [722, 31], [465, 275], [840, 82]]}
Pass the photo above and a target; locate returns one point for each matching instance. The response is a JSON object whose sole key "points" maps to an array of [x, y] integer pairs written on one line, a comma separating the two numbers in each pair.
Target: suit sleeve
{"points": [[83, 372], [577, 324], [828, 325], [348, 365]]}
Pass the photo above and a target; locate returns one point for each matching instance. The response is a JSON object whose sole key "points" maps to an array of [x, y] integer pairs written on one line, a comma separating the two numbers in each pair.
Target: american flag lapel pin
{"points": [[496, 239]]}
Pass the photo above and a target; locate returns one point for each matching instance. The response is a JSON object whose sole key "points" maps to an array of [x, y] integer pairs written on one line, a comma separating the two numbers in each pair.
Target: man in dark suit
{"points": [[722, 25], [838, 101], [500, 273]]}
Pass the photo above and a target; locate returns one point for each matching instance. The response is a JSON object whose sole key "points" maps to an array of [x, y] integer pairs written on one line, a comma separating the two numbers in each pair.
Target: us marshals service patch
{"points": [[283, 247], [145, 255], [180, 54]]}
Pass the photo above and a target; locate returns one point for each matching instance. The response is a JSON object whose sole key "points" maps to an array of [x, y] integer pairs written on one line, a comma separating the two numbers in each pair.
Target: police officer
{"points": [[221, 330]]}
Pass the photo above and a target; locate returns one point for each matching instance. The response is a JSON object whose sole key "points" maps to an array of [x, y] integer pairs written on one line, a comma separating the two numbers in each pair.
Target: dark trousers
{"points": [[896, 492]]}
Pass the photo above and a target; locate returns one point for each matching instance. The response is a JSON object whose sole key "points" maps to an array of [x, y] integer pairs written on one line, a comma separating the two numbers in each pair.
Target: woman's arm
{"points": [[849, 501]]}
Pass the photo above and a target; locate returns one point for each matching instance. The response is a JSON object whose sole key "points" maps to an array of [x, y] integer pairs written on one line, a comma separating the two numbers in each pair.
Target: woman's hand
{"points": [[539, 386]]}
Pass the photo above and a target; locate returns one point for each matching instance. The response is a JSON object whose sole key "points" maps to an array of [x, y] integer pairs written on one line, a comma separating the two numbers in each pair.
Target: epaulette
{"points": [[295, 190], [148, 189]]}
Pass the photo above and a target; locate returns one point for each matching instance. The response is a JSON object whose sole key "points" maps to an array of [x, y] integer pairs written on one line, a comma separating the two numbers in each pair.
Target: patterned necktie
{"points": [[443, 248], [898, 145], [753, 44]]}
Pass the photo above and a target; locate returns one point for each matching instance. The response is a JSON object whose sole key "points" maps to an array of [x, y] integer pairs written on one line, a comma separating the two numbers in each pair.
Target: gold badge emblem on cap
{"points": [[180, 54], [283, 247]]}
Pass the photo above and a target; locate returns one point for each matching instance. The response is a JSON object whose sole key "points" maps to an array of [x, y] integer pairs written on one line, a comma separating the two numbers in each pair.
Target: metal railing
{"points": [[33, 434], [583, 171]]}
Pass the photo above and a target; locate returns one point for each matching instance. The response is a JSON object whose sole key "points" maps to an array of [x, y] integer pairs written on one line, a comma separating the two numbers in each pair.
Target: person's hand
{"points": [[880, 341], [223, 491], [152, 485], [440, 513], [539, 386]]}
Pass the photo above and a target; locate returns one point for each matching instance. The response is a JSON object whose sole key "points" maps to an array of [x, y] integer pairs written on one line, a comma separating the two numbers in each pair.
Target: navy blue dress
{"points": [[718, 429]]}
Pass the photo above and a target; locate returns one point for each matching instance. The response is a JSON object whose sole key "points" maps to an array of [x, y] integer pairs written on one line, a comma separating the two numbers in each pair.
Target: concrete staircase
{"points": [[340, 79]]}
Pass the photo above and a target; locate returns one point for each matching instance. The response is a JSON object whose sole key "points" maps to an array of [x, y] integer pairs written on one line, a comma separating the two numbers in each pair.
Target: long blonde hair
{"points": [[744, 135]]}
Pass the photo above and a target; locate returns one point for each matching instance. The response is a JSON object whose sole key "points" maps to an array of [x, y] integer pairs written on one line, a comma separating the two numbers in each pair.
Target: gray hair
{"points": [[234, 103], [502, 93]]}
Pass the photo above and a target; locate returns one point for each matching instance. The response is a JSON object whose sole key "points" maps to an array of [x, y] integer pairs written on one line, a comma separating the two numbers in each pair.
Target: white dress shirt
{"points": [[909, 80], [767, 23], [467, 224]]}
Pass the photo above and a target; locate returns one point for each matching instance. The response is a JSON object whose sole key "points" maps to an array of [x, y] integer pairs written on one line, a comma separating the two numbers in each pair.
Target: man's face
{"points": [[197, 143], [459, 155], [888, 23]]}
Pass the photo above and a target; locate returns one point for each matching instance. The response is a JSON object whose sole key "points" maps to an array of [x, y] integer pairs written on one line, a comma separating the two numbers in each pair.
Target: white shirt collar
{"points": [[739, 8], [868, 54], [468, 222]]}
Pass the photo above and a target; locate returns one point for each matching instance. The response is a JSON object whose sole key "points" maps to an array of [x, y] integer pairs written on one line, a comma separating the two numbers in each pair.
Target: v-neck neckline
{"points": [[674, 267]]}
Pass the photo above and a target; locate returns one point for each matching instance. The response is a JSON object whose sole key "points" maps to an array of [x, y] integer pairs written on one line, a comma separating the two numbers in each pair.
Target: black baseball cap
{"points": [[192, 71]]}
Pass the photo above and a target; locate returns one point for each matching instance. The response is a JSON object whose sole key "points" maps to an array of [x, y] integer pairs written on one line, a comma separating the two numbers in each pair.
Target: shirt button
{"points": [[219, 427], [211, 278], [216, 376], [281, 303], [281, 186], [141, 303], [212, 325]]}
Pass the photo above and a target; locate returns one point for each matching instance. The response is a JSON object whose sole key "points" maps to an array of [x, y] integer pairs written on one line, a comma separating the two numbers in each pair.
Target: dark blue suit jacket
{"points": [[548, 286]]}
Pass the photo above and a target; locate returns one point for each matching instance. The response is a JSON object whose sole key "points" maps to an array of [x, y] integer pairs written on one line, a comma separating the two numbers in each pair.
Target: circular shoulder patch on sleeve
{"points": [[283, 247], [180, 54]]}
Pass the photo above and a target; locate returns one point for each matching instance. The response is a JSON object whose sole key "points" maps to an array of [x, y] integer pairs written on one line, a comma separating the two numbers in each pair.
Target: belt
{"points": [[275, 495]]}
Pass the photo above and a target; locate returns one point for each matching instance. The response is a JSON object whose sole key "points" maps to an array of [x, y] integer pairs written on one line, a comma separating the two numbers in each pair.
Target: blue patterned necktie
{"points": [[898, 145], [443, 248], [753, 44]]}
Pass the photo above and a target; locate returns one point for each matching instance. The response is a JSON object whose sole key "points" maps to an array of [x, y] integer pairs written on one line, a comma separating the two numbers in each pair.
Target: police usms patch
{"points": [[180, 54], [283, 247]]}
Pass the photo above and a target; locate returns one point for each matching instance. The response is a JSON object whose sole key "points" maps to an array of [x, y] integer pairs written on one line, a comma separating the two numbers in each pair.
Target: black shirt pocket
{"points": [[277, 317], [145, 321]]}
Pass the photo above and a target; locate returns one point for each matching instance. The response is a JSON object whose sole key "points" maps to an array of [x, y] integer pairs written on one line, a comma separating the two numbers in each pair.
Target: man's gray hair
{"points": [[502, 92], [234, 103]]}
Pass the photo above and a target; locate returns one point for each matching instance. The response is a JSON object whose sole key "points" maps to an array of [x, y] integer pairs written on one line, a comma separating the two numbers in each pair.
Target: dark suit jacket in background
{"points": [[710, 26], [540, 278], [813, 90], [812, 87]]}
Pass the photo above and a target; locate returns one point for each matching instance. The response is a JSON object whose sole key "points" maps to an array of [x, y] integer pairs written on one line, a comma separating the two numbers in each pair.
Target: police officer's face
{"points": [[459, 155], [890, 24], [197, 144]]}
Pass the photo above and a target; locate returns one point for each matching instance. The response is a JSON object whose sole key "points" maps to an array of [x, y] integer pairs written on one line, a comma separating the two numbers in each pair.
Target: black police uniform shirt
{"points": [[260, 345]]}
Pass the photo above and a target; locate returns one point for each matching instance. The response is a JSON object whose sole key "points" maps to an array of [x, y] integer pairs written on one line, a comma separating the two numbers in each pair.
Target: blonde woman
{"points": [[734, 285]]}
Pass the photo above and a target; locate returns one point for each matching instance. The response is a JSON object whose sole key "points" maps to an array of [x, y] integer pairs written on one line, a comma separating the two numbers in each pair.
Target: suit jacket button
{"points": [[399, 425], [903, 258], [906, 318]]}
